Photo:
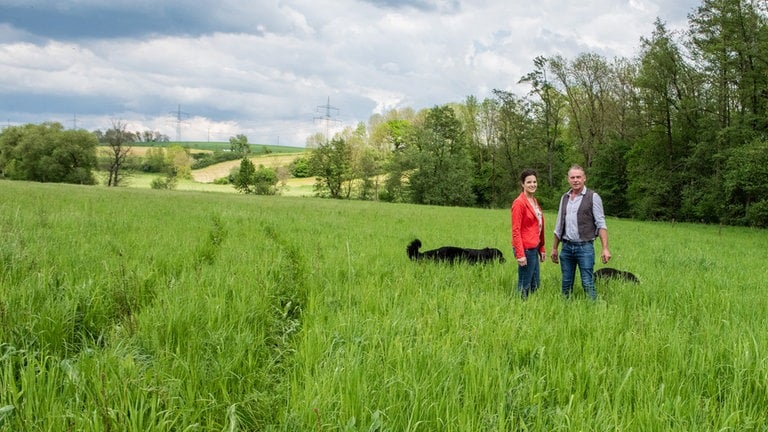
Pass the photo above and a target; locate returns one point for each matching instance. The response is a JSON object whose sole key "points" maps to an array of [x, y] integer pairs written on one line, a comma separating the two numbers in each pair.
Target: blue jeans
{"points": [[581, 254], [528, 277]]}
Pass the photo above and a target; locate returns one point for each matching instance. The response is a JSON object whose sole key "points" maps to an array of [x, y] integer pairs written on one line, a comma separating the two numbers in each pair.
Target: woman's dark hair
{"points": [[526, 173]]}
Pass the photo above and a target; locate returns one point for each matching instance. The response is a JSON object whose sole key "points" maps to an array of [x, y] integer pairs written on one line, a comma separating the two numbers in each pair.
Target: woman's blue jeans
{"points": [[529, 277], [581, 254]]}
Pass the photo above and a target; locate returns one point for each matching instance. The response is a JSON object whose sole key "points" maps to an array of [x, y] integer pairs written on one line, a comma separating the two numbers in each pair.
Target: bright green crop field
{"points": [[146, 310]]}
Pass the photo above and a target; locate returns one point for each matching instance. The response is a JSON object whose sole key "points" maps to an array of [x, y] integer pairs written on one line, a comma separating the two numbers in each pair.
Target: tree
{"points": [[179, 160], [330, 163], [659, 151], [586, 83], [48, 153], [154, 160], [548, 113], [443, 174], [243, 180], [118, 141], [151, 137], [250, 180], [729, 38], [300, 167], [516, 148], [746, 185], [239, 145], [265, 181]]}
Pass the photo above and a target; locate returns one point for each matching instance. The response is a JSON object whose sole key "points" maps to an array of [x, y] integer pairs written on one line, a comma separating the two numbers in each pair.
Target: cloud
{"points": [[263, 68]]}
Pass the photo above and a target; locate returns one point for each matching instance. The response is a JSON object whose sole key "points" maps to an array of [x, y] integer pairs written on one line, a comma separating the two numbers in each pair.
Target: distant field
{"points": [[202, 179], [211, 146], [130, 309], [293, 186]]}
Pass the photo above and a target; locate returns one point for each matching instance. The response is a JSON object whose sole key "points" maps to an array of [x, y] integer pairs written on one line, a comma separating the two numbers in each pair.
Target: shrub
{"points": [[757, 214], [300, 167]]}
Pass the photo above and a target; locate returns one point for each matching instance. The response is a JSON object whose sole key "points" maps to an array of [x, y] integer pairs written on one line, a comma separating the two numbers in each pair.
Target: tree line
{"points": [[678, 132]]}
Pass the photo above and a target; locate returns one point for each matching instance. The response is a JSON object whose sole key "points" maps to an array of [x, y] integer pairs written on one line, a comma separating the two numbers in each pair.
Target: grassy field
{"points": [[293, 187], [203, 179], [133, 309]]}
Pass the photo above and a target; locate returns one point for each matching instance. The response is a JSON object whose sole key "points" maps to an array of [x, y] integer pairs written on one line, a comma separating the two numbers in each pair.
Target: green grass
{"points": [[134, 309]]}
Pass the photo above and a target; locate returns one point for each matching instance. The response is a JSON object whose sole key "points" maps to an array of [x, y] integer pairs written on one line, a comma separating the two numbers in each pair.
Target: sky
{"points": [[279, 71]]}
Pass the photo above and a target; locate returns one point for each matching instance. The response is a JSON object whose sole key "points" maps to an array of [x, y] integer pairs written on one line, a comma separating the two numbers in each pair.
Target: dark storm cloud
{"points": [[90, 22], [104, 19]]}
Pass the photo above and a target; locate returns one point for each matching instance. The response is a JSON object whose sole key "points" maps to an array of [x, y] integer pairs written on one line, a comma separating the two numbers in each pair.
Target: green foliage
{"points": [[48, 153], [239, 145], [443, 174], [178, 161], [300, 167], [243, 179], [170, 181], [265, 181], [250, 180], [746, 183], [609, 176], [154, 160], [330, 162]]}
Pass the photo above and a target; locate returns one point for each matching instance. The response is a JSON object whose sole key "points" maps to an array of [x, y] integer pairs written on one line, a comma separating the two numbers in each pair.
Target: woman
{"points": [[528, 235]]}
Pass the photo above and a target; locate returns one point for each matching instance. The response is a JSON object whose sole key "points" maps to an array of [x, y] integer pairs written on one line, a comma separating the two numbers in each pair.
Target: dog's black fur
{"points": [[454, 254], [612, 273]]}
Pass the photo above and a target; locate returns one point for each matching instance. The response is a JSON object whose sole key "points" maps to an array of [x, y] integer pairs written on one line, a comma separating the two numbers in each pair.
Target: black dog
{"points": [[452, 254], [612, 273]]}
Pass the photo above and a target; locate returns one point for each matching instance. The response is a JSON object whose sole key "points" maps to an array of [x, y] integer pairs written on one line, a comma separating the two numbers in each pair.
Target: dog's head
{"points": [[495, 254]]}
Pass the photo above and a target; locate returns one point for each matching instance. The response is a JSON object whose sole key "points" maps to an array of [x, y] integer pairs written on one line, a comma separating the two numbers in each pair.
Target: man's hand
{"points": [[606, 256]]}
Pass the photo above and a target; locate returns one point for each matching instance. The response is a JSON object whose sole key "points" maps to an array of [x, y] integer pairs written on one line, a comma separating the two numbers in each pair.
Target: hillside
{"points": [[211, 173]]}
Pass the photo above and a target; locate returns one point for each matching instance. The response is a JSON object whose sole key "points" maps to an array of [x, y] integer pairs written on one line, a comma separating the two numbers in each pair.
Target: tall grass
{"points": [[145, 310]]}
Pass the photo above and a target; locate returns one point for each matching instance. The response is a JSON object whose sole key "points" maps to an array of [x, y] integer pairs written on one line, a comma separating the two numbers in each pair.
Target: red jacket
{"points": [[526, 233]]}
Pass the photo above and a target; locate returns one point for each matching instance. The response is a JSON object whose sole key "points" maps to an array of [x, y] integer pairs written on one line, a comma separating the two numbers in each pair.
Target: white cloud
{"points": [[262, 68]]}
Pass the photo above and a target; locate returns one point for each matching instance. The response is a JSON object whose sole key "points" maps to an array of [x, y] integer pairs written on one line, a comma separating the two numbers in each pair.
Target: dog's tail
{"points": [[413, 249]]}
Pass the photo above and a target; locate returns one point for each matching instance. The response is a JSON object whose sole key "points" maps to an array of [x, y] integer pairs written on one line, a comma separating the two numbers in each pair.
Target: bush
{"points": [[757, 214], [168, 182], [249, 180], [300, 167]]}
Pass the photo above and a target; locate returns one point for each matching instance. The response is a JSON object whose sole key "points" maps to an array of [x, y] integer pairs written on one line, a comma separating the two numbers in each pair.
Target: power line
{"points": [[327, 117], [180, 119]]}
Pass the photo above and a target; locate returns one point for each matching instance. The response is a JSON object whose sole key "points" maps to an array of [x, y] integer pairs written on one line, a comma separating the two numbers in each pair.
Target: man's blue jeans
{"points": [[529, 276], [581, 254]]}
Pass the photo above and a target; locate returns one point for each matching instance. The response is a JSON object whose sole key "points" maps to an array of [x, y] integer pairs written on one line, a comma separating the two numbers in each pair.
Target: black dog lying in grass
{"points": [[453, 254], [612, 273]]}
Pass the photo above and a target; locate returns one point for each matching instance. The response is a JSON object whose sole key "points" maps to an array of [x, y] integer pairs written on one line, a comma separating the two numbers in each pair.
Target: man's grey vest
{"points": [[584, 217]]}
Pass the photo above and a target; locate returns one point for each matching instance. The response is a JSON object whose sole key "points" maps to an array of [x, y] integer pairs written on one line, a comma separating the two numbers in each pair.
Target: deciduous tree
{"points": [[118, 141], [48, 153]]}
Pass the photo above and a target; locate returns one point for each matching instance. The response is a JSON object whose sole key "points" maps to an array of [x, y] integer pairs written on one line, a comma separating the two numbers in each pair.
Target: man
{"points": [[580, 219]]}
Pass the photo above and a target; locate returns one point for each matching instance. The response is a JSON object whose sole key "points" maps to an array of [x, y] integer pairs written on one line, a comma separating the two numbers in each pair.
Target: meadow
{"points": [[131, 309]]}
